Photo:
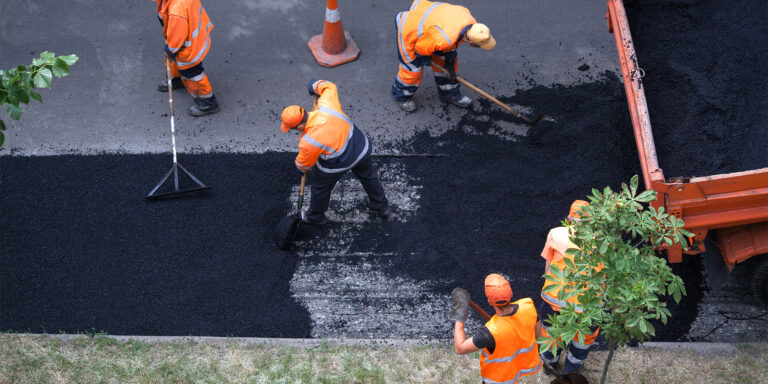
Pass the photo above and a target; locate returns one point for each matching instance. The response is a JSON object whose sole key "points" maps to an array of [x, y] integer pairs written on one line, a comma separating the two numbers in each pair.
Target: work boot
{"points": [[202, 108], [461, 102], [408, 106], [175, 83], [385, 213], [307, 220]]}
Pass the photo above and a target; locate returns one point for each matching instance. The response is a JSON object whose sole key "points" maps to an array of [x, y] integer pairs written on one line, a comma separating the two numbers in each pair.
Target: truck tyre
{"points": [[759, 281]]}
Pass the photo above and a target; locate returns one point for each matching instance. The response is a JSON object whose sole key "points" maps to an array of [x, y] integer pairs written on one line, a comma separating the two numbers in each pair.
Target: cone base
{"points": [[350, 53]]}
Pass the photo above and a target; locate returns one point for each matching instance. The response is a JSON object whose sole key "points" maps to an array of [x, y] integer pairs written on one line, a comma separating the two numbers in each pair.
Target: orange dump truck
{"points": [[728, 212]]}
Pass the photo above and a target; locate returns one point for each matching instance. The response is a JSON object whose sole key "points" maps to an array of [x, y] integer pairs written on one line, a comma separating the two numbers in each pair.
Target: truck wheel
{"points": [[759, 281]]}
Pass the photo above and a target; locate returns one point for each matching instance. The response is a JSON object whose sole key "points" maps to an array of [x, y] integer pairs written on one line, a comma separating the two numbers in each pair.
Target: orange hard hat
{"points": [[497, 290], [292, 116], [575, 212]]}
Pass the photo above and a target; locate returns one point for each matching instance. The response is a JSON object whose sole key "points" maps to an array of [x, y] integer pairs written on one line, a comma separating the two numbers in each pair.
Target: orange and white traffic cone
{"points": [[335, 46]]}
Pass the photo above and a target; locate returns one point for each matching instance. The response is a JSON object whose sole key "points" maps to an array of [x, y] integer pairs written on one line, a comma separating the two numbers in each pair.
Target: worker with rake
{"points": [[508, 339], [332, 144], [187, 28], [558, 242], [430, 32]]}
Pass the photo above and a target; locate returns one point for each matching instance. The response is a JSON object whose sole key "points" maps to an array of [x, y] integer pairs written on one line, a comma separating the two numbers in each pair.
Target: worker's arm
{"points": [[307, 157], [548, 253], [326, 92], [461, 344], [176, 35], [539, 333]]}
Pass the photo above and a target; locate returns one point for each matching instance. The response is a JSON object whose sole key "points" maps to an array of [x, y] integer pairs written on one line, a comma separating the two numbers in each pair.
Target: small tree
{"points": [[615, 273], [17, 84]]}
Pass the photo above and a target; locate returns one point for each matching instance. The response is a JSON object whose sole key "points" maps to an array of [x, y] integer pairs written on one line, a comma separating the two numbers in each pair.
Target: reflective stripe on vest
{"points": [[559, 303], [333, 154], [337, 170], [517, 377], [424, 18], [508, 358]]}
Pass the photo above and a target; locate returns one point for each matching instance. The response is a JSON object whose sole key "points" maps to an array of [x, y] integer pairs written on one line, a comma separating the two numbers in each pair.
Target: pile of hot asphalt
{"points": [[82, 250], [706, 82]]}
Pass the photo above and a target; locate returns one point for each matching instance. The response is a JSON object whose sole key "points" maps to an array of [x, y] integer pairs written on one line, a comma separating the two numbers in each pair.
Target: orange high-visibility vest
{"points": [[330, 140], [516, 353], [186, 28], [558, 242], [429, 26]]}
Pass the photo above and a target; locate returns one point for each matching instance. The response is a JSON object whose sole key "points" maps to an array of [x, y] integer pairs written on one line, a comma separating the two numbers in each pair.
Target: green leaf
{"points": [[551, 288], [2, 138], [647, 196], [47, 56], [24, 96], [38, 62], [2, 125], [633, 184], [60, 68], [14, 111], [43, 78], [35, 96], [69, 59]]}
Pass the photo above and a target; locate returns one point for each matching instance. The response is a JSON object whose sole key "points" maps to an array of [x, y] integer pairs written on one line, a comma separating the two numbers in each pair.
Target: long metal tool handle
{"points": [[301, 193], [170, 102], [479, 310]]}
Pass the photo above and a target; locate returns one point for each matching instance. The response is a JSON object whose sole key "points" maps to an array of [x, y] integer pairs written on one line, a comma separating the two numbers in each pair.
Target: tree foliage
{"points": [[17, 84], [620, 281]]}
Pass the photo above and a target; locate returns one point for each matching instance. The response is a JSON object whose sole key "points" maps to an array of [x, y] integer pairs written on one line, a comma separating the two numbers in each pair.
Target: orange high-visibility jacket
{"points": [[516, 353], [428, 27], [330, 140], [187, 29], [558, 242]]}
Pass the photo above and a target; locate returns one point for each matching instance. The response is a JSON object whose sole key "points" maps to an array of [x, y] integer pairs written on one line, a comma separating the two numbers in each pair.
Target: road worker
{"points": [[431, 32], [508, 339], [332, 144], [187, 28], [558, 241]]}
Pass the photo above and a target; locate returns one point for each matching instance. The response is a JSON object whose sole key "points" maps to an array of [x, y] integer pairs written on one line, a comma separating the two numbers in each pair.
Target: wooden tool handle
{"points": [[479, 310], [483, 93], [301, 193]]}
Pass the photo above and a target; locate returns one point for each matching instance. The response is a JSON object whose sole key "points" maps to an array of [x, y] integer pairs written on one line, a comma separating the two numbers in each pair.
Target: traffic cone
{"points": [[335, 46]]}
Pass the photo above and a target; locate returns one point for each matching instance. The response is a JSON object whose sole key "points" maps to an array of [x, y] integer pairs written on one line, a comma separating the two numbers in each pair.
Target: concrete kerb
{"points": [[702, 348]]}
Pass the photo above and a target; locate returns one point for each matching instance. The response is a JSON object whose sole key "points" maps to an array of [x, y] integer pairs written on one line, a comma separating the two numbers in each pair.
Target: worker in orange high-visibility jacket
{"points": [[508, 339], [332, 144], [558, 242], [431, 32], [187, 28]]}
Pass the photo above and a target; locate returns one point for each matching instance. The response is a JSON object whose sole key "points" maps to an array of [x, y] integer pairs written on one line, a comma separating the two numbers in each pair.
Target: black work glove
{"points": [[450, 66], [459, 305]]}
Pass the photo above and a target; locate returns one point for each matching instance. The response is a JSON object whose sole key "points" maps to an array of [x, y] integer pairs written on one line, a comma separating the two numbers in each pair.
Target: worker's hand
{"points": [[459, 305]]}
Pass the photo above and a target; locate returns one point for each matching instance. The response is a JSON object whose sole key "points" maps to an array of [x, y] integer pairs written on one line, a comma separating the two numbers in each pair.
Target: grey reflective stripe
{"points": [[196, 78], [581, 346], [415, 3], [424, 18], [343, 148], [199, 24], [315, 84], [444, 35], [574, 360], [332, 15], [510, 358], [302, 168], [519, 373], [173, 50], [448, 87], [559, 303], [411, 68], [199, 54], [400, 23], [316, 143], [334, 113], [335, 170]]}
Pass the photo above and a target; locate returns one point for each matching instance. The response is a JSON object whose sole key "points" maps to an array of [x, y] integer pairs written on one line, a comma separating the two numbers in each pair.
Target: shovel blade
{"points": [[286, 230]]}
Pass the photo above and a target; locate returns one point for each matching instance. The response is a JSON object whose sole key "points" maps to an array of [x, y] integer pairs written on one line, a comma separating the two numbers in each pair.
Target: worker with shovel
{"points": [[332, 144], [187, 28], [558, 242], [508, 339], [431, 32]]}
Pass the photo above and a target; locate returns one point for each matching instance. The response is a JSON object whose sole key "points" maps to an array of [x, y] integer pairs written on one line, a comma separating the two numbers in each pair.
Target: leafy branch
{"points": [[17, 84]]}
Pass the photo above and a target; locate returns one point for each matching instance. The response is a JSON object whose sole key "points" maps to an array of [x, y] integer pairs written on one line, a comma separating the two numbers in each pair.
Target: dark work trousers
{"points": [[323, 183]]}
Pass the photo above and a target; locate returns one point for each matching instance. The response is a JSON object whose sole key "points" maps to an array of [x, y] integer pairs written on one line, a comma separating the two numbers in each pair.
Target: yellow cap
{"points": [[292, 116], [480, 34], [497, 290]]}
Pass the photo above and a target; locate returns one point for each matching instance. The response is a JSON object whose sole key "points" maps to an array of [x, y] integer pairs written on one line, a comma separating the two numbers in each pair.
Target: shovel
{"points": [[289, 225], [497, 102], [571, 378]]}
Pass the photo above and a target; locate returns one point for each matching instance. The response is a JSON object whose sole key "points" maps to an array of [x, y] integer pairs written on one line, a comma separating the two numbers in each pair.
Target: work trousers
{"points": [[196, 82], [409, 75], [577, 352], [323, 183]]}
